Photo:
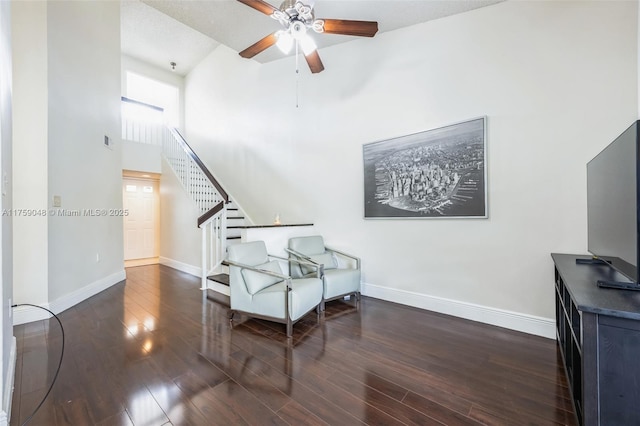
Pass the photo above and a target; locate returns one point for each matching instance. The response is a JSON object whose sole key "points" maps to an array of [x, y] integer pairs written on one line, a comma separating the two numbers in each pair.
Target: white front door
{"points": [[141, 225]]}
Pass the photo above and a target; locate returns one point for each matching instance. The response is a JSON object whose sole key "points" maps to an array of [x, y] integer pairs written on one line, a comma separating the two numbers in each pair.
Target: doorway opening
{"points": [[141, 202]]}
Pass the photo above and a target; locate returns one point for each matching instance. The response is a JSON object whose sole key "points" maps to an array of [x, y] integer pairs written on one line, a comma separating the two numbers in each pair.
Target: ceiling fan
{"points": [[297, 18]]}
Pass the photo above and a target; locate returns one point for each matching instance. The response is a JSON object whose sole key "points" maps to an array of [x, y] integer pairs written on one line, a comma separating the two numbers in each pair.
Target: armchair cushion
{"points": [[325, 259], [251, 253], [307, 245], [256, 281], [341, 281]]}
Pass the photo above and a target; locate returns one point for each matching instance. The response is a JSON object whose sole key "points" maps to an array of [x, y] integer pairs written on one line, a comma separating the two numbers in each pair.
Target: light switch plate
{"points": [[57, 201]]}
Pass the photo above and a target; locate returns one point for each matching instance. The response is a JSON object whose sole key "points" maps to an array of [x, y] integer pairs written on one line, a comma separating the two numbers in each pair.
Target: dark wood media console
{"points": [[598, 332]]}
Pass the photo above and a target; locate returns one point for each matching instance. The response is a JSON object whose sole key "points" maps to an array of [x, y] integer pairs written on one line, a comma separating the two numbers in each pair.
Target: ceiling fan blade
{"points": [[348, 27], [260, 6], [259, 46], [314, 62]]}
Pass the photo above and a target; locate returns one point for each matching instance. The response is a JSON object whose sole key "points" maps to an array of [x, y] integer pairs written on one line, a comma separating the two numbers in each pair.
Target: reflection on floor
{"points": [[149, 352]]}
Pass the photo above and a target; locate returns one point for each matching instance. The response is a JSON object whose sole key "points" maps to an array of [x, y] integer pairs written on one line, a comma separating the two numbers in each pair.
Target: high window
{"points": [[152, 92]]}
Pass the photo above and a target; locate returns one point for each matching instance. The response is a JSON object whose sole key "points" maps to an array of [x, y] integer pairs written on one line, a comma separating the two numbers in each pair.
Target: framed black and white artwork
{"points": [[438, 173]]}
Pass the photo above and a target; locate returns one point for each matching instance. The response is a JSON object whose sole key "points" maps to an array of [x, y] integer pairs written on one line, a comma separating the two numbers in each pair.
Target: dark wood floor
{"points": [[148, 352]]}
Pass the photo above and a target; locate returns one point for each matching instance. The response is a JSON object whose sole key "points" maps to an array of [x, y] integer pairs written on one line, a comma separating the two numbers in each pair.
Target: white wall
{"points": [[141, 157], [180, 237], [557, 81], [30, 129], [7, 342], [67, 85], [84, 106]]}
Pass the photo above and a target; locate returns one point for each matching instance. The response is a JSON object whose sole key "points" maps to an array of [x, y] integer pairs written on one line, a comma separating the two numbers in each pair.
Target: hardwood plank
{"points": [[143, 409], [303, 395], [257, 385], [36, 376], [45, 416], [509, 417], [219, 412], [73, 412], [295, 414], [177, 405], [252, 410], [382, 402], [358, 408], [437, 411], [120, 419]]}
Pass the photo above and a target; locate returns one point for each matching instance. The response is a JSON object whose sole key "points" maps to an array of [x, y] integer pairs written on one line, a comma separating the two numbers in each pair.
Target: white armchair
{"points": [[258, 287], [338, 280]]}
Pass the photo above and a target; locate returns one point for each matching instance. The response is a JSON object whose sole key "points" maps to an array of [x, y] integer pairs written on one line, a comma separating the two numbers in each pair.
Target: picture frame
{"points": [[437, 173]]}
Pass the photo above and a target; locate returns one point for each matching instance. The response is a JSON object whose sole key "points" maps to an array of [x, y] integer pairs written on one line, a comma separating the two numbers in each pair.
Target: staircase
{"points": [[221, 220]]}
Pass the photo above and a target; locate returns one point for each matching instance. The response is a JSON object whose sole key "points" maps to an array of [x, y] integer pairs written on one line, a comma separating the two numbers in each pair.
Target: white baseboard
{"points": [[5, 414], [25, 314], [531, 324], [181, 266]]}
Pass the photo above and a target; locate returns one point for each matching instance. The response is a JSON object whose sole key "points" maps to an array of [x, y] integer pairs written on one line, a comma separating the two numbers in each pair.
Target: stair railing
{"points": [[208, 195]]}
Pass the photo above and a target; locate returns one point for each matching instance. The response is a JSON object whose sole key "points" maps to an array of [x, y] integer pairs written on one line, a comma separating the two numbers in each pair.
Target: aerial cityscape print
{"points": [[436, 173]]}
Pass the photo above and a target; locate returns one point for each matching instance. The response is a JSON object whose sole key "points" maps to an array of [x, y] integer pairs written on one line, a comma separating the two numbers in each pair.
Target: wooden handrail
{"points": [[200, 164], [210, 213]]}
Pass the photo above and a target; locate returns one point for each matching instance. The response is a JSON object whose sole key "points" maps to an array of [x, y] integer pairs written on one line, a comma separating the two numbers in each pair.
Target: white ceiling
{"points": [[185, 31]]}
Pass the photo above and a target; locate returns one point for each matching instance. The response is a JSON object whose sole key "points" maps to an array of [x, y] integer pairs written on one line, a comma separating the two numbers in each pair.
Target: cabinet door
{"points": [[619, 371]]}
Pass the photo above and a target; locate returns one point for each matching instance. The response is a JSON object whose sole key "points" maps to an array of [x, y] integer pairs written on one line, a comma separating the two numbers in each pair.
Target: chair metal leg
{"points": [[289, 327], [230, 315], [322, 305]]}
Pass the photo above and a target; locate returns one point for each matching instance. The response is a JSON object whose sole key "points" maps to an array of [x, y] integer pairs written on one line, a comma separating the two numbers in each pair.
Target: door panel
{"points": [[141, 225]]}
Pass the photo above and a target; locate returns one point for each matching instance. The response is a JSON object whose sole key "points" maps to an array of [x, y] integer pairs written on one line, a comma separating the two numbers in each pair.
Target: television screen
{"points": [[612, 203]]}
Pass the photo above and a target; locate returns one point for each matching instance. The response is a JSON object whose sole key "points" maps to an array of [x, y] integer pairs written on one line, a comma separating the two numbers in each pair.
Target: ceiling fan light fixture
{"points": [[285, 41], [308, 45], [297, 17]]}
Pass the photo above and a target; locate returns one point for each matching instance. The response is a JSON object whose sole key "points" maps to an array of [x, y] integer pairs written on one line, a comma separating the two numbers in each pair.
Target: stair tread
{"points": [[219, 278]]}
